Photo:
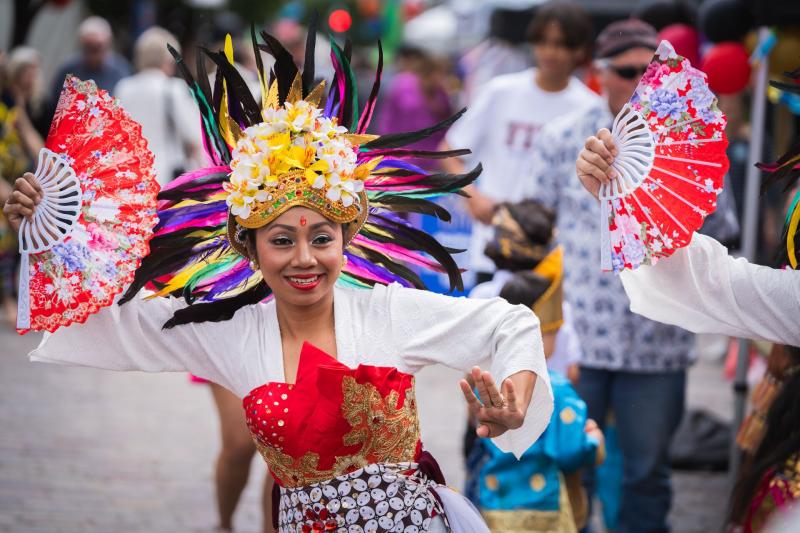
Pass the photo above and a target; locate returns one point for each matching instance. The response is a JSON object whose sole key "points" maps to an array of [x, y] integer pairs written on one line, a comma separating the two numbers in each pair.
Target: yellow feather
{"points": [[272, 96], [296, 90], [315, 96], [792, 231], [357, 139], [224, 116], [229, 48], [181, 279]]}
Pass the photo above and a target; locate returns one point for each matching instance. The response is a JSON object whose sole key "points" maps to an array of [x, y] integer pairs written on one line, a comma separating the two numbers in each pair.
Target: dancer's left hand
{"points": [[594, 162], [498, 411]]}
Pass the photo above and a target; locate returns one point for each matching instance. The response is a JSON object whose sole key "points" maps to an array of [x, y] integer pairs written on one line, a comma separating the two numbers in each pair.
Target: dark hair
{"points": [[574, 21], [524, 288], [781, 441], [535, 219], [510, 25]]}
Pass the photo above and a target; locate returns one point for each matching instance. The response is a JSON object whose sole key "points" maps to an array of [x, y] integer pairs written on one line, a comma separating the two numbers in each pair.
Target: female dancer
{"points": [[325, 366]]}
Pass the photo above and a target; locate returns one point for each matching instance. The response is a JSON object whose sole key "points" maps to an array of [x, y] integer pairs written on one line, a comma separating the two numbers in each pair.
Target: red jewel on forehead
{"points": [[303, 221]]}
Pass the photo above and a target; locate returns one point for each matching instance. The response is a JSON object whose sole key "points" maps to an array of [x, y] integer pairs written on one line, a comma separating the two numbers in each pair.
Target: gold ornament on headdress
{"points": [[295, 157]]}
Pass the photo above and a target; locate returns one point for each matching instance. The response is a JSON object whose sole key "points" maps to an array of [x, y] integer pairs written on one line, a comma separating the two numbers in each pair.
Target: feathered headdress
{"points": [[296, 148], [787, 169]]}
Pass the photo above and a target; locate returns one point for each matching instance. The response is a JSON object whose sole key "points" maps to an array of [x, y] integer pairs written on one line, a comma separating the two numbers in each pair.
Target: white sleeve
{"points": [[130, 337], [702, 289], [461, 333]]}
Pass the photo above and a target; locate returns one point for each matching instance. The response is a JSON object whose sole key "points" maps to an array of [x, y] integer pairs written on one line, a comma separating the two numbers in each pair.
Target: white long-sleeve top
{"points": [[386, 326], [703, 289]]}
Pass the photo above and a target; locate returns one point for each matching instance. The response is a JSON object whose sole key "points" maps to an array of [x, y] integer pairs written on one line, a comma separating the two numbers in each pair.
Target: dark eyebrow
{"points": [[312, 226]]}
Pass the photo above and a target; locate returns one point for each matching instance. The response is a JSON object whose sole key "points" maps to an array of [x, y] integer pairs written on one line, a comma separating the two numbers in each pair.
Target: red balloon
{"points": [[684, 39], [340, 20], [727, 66]]}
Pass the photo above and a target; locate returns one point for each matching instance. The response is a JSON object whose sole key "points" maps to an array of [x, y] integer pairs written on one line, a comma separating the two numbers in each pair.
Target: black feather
{"points": [[257, 53], [369, 106], [414, 239], [433, 183], [400, 204], [202, 78], [184, 191], [395, 140], [426, 154], [238, 91], [285, 69], [219, 310], [347, 52], [786, 170], [394, 267], [308, 64]]}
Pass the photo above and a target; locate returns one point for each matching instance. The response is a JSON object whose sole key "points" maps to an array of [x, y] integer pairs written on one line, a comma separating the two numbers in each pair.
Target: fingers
{"points": [[510, 394], [495, 413], [590, 426], [472, 401], [31, 179], [483, 393], [587, 167], [29, 188], [596, 146], [495, 397], [608, 140], [484, 429], [598, 161], [22, 200]]}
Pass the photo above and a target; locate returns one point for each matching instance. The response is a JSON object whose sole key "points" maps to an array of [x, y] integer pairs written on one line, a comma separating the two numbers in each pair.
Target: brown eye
{"points": [[281, 241], [322, 239]]}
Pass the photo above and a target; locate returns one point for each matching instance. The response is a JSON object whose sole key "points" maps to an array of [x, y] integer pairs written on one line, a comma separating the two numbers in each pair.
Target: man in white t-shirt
{"points": [[501, 124]]}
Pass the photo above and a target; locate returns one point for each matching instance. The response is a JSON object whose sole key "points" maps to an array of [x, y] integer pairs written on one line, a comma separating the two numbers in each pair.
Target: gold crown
{"points": [[295, 157]]}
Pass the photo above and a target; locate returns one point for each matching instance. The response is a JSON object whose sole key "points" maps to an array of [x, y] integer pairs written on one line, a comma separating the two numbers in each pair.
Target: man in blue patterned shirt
{"points": [[631, 366]]}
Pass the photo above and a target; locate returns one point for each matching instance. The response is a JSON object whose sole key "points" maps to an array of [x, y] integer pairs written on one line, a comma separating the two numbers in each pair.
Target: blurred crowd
{"points": [[535, 88]]}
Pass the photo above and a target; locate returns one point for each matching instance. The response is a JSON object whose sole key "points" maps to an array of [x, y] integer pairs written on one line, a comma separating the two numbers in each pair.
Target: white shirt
{"points": [[146, 97], [386, 326], [500, 127], [703, 289]]}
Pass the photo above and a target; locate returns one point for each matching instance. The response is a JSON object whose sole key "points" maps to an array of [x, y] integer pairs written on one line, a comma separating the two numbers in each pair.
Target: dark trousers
{"points": [[647, 408]]}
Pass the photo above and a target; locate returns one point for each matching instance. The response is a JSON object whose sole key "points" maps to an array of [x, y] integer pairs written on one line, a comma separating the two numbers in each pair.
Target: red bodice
{"points": [[334, 420]]}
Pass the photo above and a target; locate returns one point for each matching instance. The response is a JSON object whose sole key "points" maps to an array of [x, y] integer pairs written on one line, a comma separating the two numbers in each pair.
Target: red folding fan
{"points": [[671, 164], [91, 230]]}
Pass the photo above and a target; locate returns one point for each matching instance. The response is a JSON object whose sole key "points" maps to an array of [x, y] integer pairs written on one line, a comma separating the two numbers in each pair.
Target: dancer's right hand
{"points": [[24, 198]]}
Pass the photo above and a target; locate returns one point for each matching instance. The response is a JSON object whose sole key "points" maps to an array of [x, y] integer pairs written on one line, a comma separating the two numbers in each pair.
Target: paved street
{"points": [[83, 450]]}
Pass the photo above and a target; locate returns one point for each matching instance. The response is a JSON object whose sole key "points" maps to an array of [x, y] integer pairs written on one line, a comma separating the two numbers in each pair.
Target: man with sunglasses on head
{"points": [[631, 366]]}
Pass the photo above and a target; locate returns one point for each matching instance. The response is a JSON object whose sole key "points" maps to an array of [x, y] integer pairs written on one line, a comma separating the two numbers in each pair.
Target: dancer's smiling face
{"points": [[300, 255]]}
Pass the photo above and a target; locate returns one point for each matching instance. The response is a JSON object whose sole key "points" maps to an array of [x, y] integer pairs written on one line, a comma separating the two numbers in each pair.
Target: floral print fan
{"points": [[671, 164], [92, 228]]}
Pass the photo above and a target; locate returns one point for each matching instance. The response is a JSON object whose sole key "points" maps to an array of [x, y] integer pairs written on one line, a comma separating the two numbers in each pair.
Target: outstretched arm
{"points": [[130, 337], [703, 289], [503, 341]]}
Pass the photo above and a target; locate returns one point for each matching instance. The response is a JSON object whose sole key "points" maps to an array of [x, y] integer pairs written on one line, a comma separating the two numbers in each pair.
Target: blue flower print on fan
{"points": [[700, 95], [634, 251], [668, 104], [72, 255]]}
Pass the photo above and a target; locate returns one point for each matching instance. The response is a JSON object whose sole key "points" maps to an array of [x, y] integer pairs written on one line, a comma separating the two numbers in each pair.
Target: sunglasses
{"points": [[627, 72]]}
